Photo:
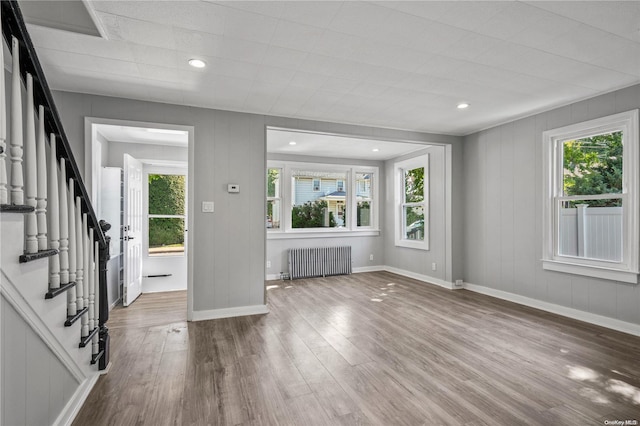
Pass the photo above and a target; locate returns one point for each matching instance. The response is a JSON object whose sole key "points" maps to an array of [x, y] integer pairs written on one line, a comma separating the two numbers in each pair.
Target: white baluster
{"points": [[92, 285], [4, 197], [96, 297], [17, 195], [79, 255], [86, 249], [30, 188], [71, 212], [41, 197], [53, 215], [64, 223]]}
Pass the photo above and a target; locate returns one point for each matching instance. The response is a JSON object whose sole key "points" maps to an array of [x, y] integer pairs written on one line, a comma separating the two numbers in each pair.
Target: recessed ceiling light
{"points": [[463, 105], [375, 150], [292, 143], [197, 63]]}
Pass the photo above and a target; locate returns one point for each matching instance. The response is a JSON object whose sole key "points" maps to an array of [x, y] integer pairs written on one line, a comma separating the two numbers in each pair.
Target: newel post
{"points": [[103, 309]]}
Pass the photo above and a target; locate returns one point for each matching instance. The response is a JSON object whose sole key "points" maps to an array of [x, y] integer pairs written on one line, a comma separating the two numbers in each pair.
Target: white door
{"points": [[133, 214]]}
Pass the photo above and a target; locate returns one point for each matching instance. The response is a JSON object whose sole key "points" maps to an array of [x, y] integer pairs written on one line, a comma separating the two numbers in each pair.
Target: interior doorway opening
{"points": [[138, 174]]}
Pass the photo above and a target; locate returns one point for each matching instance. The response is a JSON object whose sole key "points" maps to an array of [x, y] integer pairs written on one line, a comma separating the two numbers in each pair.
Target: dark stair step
{"points": [[95, 358], [15, 208], [73, 318], [53, 292], [28, 257], [84, 341]]}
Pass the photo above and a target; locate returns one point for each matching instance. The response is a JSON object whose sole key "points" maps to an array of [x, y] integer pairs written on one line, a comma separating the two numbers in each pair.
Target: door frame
{"points": [[92, 164]]}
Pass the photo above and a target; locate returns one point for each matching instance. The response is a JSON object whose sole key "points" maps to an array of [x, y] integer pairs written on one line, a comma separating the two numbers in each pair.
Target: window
{"points": [[364, 199], [313, 209], [591, 198], [296, 205], [273, 198], [412, 218], [166, 214]]}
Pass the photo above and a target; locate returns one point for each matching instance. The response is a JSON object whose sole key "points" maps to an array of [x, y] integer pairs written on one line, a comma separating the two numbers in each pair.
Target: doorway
{"points": [[163, 154]]}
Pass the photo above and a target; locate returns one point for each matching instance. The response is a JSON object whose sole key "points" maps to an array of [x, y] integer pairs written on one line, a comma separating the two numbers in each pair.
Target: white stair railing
{"points": [[72, 308], [52, 215], [4, 198], [64, 223], [96, 296], [30, 178], [41, 198], [79, 255], [17, 183]]}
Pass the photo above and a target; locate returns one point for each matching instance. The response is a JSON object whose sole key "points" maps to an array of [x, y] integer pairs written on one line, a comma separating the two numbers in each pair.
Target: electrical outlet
{"points": [[458, 283], [371, 257], [434, 266], [268, 264]]}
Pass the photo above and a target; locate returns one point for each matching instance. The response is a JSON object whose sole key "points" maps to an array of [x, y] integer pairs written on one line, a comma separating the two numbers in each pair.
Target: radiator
{"points": [[319, 262]]}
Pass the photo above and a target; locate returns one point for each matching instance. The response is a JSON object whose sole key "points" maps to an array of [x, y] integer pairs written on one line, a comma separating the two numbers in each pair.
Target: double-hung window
{"points": [[166, 215], [304, 198], [591, 198], [412, 197]]}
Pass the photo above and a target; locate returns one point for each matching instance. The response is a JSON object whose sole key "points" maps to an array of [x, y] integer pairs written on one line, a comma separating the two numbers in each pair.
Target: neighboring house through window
{"points": [[591, 198], [316, 197]]}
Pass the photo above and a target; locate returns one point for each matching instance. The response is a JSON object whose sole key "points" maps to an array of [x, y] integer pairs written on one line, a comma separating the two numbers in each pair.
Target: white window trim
{"points": [[399, 168], [628, 269], [279, 191], [286, 201]]}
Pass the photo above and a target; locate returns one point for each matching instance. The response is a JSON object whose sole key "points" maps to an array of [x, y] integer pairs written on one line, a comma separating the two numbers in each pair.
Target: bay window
{"points": [[320, 198]]}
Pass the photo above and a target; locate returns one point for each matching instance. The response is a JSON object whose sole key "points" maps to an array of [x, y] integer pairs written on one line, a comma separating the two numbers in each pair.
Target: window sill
{"points": [[591, 271], [271, 235], [412, 244]]}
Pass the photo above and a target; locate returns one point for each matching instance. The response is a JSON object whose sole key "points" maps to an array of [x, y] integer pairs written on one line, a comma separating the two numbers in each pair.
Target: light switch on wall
{"points": [[207, 207]]}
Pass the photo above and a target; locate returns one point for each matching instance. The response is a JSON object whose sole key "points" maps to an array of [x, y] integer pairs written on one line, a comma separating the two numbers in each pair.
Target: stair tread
{"points": [[15, 208], [53, 292], [71, 319], [28, 257]]}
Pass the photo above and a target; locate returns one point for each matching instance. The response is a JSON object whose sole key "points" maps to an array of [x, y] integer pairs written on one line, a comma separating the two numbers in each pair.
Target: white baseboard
{"points": [[272, 277], [614, 324], [374, 268], [239, 311], [70, 411], [115, 303], [420, 277]]}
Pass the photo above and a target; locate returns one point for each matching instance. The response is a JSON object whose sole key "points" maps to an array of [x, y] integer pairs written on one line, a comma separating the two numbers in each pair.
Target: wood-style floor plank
{"points": [[364, 349]]}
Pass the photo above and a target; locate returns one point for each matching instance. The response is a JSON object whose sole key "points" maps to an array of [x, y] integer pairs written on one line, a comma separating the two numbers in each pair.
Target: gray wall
{"points": [[36, 386], [361, 247], [503, 213], [413, 260], [229, 147]]}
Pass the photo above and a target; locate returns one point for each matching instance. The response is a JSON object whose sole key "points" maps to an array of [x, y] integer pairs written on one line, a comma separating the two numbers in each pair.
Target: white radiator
{"points": [[319, 262]]}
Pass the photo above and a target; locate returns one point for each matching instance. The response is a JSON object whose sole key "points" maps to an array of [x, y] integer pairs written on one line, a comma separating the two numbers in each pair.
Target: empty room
{"points": [[320, 213]]}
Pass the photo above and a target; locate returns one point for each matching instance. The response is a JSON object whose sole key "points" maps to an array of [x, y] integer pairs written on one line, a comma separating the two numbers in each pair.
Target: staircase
{"points": [[53, 249]]}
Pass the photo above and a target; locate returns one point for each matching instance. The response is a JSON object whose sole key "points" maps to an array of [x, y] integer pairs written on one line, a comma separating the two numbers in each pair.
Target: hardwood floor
{"points": [[372, 348]]}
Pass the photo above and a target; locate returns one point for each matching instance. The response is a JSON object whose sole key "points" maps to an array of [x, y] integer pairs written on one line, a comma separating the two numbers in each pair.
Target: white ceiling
{"points": [[142, 135], [330, 146], [391, 64]]}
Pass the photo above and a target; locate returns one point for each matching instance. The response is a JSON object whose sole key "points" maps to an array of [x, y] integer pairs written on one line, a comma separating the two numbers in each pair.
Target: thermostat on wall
{"points": [[233, 187]]}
